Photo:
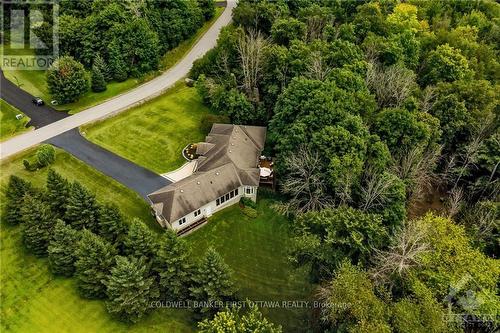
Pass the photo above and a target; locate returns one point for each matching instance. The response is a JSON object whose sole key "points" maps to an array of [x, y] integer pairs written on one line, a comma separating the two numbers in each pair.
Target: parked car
{"points": [[38, 101]]}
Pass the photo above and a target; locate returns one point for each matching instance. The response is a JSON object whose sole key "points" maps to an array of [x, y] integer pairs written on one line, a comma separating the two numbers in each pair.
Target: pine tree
{"points": [[62, 249], [103, 67], [57, 192], [82, 210], [93, 264], [16, 190], [38, 222], [174, 267], [129, 288], [212, 282], [111, 224], [140, 241], [97, 79]]}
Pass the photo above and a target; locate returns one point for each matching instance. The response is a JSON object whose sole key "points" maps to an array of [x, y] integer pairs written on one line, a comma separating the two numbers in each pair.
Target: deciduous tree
{"points": [[67, 80]]}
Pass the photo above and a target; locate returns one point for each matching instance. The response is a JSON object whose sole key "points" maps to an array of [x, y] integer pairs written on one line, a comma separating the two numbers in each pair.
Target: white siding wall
{"points": [[210, 208]]}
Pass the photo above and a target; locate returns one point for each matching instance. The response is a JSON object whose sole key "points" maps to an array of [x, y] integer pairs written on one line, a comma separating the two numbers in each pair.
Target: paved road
{"points": [[124, 101], [135, 177], [40, 115]]}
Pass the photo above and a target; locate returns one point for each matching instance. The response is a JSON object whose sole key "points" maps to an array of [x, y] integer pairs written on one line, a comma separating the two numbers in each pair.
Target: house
{"points": [[227, 169]]}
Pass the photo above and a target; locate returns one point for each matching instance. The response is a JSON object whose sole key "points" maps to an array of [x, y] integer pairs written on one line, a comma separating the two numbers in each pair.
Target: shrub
{"points": [[67, 80], [29, 166], [250, 212], [210, 119], [45, 155], [247, 202]]}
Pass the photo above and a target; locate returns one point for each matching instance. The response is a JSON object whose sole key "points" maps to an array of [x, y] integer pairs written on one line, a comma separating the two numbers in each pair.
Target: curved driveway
{"points": [[124, 101]]}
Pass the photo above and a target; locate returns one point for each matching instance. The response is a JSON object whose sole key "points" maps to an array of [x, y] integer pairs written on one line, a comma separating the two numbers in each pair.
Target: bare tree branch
{"points": [[392, 85], [251, 47], [304, 183], [403, 254]]}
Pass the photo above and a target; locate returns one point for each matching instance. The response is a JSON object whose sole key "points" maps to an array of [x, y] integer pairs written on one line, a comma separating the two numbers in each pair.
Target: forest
{"points": [[384, 119]]}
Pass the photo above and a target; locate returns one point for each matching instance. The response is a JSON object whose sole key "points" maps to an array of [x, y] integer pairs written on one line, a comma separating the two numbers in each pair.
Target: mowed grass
{"points": [[154, 134], [256, 249], [34, 82], [9, 125], [32, 299]]}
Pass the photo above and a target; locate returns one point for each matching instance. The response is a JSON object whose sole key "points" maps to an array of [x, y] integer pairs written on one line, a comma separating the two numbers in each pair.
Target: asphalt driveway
{"points": [[138, 95], [133, 176]]}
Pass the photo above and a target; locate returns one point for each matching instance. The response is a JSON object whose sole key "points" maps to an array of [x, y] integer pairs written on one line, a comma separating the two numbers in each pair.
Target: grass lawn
{"points": [[32, 300], [256, 249], [9, 125], [154, 134], [33, 81]]}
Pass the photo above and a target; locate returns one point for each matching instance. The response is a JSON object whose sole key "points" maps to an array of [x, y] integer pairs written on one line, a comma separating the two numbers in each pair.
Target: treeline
{"points": [[117, 39], [371, 108], [122, 262]]}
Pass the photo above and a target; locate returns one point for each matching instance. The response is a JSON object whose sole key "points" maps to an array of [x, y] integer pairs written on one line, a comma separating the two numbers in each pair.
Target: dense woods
{"points": [[374, 109], [116, 39]]}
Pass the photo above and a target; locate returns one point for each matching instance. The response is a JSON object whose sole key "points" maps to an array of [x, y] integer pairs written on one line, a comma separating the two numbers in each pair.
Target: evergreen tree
{"points": [[98, 80], [111, 224], [130, 289], [174, 267], [103, 67], [213, 282], [82, 208], [57, 192], [38, 224], [140, 241], [16, 190], [95, 259], [62, 249]]}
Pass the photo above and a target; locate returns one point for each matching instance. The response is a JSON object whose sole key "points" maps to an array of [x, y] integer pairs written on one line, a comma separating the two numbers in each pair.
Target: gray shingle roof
{"points": [[229, 159]]}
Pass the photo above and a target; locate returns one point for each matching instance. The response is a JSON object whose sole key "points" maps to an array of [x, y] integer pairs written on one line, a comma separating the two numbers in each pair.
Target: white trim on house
{"points": [[210, 208]]}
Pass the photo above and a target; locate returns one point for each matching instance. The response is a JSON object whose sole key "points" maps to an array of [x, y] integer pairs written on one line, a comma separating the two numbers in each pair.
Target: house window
{"points": [[196, 213], [222, 199], [231, 194], [183, 220], [249, 190], [236, 192], [227, 197], [217, 202]]}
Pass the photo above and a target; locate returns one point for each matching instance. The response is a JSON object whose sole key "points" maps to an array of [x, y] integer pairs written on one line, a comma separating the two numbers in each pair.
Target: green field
{"points": [[33, 81], [154, 134], [256, 249], [9, 125], [32, 300]]}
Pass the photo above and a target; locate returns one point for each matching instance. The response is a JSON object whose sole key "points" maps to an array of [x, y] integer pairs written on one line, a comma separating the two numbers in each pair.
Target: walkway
{"points": [[124, 101]]}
